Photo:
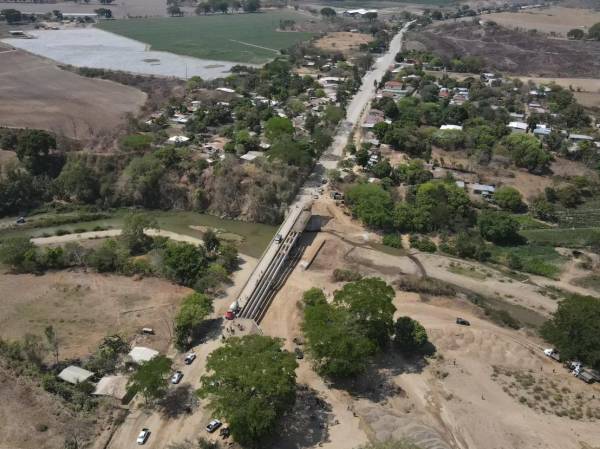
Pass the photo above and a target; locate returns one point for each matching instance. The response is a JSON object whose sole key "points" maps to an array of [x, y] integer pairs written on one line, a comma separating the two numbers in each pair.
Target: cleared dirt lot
{"points": [[556, 19], [342, 41], [85, 307], [35, 93]]}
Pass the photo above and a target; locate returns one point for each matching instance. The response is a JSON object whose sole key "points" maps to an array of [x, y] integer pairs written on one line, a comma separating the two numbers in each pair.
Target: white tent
{"points": [[115, 386], [74, 374], [140, 354]]}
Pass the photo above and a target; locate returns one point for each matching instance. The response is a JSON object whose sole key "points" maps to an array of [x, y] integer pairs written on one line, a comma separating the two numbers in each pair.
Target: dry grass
{"points": [[549, 395], [556, 19], [85, 307], [512, 52], [37, 94], [343, 42]]}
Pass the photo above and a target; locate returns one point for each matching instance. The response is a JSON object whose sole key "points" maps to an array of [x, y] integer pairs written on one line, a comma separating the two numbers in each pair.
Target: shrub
{"points": [[341, 275], [393, 240], [423, 244]]}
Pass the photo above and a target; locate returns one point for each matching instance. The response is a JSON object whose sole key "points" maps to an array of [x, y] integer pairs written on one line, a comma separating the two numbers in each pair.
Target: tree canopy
{"points": [[508, 198], [150, 379], [194, 310], [499, 227], [251, 384], [574, 329]]}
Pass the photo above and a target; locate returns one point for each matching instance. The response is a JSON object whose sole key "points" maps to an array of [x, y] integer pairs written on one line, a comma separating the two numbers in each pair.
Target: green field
{"points": [[247, 38]]}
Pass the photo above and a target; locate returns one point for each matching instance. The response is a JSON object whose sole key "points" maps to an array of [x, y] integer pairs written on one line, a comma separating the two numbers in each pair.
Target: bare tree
{"points": [[53, 341]]}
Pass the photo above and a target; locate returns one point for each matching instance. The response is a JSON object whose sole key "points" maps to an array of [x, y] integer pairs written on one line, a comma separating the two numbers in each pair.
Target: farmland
{"points": [[248, 38], [37, 94]]}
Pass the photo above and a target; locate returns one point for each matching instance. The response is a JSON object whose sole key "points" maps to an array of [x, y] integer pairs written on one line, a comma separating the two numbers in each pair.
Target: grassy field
{"points": [[536, 259], [249, 38]]}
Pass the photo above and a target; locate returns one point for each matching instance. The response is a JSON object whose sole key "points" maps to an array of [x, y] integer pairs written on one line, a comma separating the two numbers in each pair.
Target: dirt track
{"points": [[35, 93]]}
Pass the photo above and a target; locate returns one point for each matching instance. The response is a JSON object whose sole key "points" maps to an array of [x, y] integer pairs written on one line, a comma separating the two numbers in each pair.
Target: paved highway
{"points": [[256, 294]]}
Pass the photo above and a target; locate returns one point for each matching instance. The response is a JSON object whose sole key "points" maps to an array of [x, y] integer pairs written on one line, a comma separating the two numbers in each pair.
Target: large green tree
{"points": [[34, 151], [184, 263], [574, 329], [409, 334], [132, 234], [499, 227], [526, 151], [252, 383], [150, 379], [369, 303], [194, 310], [508, 198], [19, 254], [371, 203], [337, 345]]}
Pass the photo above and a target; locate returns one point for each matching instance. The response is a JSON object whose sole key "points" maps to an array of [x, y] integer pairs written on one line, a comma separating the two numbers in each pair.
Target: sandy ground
{"points": [[451, 401], [35, 93], [343, 41], [556, 19]]}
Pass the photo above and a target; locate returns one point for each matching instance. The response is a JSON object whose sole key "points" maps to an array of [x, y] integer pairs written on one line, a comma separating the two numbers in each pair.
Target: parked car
{"points": [[552, 353], [190, 358], [143, 436], [176, 378], [229, 315], [299, 353], [462, 322], [213, 425], [278, 238], [21, 220]]}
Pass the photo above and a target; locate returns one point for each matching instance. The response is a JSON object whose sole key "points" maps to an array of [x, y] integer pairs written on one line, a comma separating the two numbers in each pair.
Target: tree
{"points": [[211, 241], [526, 152], [369, 303], [509, 198], [52, 340], [370, 16], [543, 209], [194, 310], [569, 196], [174, 10], [109, 257], [33, 150], [150, 379], [336, 344], [277, 127], [328, 13], [574, 329], [409, 335], [19, 254], [594, 32], [183, 263], [251, 5], [104, 12], [371, 204], [11, 15], [228, 257], [499, 227], [77, 182], [576, 34], [252, 384], [132, 234]]}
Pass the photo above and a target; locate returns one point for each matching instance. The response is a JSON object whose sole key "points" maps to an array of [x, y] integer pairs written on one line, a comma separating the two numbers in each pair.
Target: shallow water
{"points": [[91, 47]]}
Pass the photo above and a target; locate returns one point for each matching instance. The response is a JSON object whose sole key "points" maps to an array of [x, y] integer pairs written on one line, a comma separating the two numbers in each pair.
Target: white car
{"points": [[143, 436], [176, 378], [213, 425], [190, 358]]}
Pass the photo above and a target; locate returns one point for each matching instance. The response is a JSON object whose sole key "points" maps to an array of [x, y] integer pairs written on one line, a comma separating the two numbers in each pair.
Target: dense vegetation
{"points": [[251, 384], [343, 335]]}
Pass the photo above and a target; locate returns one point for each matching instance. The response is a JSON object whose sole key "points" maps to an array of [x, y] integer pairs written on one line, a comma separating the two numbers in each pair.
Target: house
{"points": [[518, 127], [518, 117], [250, 156], [140, 354], [330, 81], [180, 119], [482, 189], [451, 127], [542, 130], [115, 386], [74, 374], [177, 140], [358, 12], [227, 90], [373, 117], [580, 138], [444, 93], [394, 84]]}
